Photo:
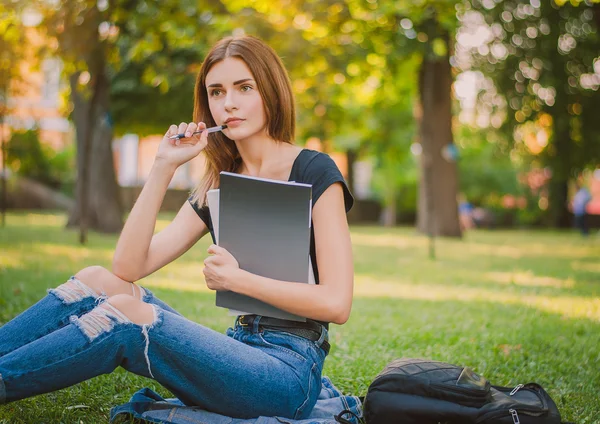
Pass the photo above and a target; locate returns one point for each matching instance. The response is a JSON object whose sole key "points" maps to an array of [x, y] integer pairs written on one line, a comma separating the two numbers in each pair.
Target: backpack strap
{"points": [[340, 419]]}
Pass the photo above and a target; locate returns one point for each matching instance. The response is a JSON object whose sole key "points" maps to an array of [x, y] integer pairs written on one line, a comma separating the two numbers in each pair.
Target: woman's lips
{"points": [[234, 123]]}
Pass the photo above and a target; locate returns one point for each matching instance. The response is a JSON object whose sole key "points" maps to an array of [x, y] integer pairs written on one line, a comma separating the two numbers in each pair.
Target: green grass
{"points": [[517, 306]]}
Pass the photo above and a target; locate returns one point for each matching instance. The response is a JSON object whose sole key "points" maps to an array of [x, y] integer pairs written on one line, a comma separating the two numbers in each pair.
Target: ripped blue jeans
{"points": [[67, 338]]}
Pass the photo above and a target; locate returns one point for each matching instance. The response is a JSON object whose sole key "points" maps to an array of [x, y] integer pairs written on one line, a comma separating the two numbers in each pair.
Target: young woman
{"points": [[100, 319]]}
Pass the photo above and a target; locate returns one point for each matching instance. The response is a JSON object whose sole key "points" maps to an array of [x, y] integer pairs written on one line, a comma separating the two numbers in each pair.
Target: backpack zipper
{"points": [[516, 389], [515, 416], [513, 413], [502, 413]]}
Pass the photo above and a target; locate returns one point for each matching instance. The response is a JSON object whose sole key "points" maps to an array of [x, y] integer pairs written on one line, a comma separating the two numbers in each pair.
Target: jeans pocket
{"points": [[312, 392], [281, 343]]}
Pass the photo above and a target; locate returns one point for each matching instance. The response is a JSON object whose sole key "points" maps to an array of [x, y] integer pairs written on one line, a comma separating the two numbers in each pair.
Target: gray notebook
{"points": [[265, 225]]}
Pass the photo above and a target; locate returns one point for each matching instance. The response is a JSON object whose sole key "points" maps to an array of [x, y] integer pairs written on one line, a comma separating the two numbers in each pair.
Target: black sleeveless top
{"points": [[310, 167]]}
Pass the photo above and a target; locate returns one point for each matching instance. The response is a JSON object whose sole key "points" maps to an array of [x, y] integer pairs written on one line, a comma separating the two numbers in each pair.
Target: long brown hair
{"points": [[275, 89]]}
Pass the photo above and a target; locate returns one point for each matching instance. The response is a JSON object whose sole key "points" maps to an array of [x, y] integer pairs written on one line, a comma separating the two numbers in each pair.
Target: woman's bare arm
{"points": [[331, 299], [139, 252]]}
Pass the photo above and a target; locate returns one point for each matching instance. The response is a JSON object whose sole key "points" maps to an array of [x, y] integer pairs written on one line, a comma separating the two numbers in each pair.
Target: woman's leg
{"points": [[47, 315], [80, 294], [200, 366]]}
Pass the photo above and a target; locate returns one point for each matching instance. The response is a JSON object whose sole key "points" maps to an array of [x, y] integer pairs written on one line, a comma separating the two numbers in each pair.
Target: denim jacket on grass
{"points": [[149, 406]]}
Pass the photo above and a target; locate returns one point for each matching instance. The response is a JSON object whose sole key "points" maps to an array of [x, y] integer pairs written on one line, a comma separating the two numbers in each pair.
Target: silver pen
{"points": [[208, 130]]}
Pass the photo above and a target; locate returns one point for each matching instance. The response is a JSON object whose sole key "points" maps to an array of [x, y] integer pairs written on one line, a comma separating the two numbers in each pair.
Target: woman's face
{"points": [[234, 99]]}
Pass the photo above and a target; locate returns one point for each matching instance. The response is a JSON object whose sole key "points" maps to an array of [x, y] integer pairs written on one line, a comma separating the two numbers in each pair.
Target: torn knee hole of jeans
{"points": [[104, 318], [100, 320], [74, 290]]}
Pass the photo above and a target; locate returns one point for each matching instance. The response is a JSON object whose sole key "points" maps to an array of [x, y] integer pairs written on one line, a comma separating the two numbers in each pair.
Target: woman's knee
{"points": [[75, 290], [133, 309], [101, 280], [119, 309], [104, 282]]}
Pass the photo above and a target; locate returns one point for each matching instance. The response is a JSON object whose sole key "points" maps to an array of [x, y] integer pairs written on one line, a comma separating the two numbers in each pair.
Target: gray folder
{"points": [[265, 225]]}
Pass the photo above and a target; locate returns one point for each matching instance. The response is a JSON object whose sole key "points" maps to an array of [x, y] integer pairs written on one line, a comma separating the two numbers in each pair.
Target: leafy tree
{"points": [[543, 58], [486, 172], [399, 31], [106, 46], [11, 43], [84, 49], [347, 61], [29, 157], [346, 53], [154, 66]]}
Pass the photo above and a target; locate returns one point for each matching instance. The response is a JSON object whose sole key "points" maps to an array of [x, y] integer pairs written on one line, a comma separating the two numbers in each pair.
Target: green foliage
{"points": [[486, 172], [391, 130], [154, 110], [543, 59], [28, 157], [395, 173], [11, 42], [154, 67], [149, 53], [352, 64], [62, 167], [31, 158]]}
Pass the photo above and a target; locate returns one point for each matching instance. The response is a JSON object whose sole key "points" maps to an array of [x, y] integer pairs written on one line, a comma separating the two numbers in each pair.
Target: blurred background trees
{"points": [[543, 58], [485, 98], [11, 40]]}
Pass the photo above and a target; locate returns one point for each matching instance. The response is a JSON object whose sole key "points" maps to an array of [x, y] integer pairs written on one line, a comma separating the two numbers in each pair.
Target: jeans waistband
{"points": [[310, 329]]}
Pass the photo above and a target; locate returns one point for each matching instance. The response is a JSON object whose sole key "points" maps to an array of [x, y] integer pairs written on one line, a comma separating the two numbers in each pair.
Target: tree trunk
{"points": [[437, 212], [558, 202], [560, 163], [560, 157], [389, 214], [104, 209], [4, 174]]}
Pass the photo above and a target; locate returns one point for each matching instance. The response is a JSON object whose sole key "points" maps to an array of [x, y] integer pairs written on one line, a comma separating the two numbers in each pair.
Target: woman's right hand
{"points": [[178, 151]]}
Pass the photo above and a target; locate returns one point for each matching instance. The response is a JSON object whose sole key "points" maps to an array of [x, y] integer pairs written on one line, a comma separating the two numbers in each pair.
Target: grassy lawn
{"points": [[516, 306]]}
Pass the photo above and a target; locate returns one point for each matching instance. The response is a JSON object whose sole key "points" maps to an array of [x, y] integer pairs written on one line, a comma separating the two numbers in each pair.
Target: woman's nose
{"points": [[230, 101]]}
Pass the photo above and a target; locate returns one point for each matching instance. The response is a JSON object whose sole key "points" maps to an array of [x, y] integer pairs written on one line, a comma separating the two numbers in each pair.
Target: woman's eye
{"points": [[246, 87], [215, 92]]}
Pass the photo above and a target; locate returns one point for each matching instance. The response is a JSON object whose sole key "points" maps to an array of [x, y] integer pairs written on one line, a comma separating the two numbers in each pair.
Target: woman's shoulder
{"points": [[314, 163], [321, 171]]}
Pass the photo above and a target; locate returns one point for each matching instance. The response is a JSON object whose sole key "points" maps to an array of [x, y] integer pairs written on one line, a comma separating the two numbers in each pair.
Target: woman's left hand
{"points": [[220, 268]]}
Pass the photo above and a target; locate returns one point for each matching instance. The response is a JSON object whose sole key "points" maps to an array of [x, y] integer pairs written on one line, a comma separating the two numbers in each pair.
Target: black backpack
{"points": [[418, 391]]}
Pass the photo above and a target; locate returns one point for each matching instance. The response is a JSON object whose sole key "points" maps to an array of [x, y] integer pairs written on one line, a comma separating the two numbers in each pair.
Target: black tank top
{"points": [[310, 167]]}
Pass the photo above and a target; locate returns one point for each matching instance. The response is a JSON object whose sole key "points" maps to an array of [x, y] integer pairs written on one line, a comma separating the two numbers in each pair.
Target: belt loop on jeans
{"points": [[255, 323], [323, 338]]}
